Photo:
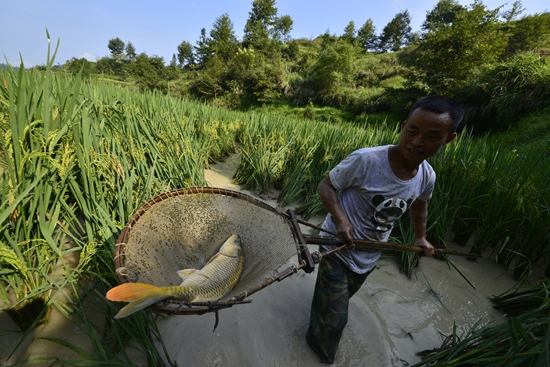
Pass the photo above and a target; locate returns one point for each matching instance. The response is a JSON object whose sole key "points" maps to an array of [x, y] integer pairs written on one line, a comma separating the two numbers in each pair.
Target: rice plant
{"points": [[295, 155], [522, 341], [78, 159]]}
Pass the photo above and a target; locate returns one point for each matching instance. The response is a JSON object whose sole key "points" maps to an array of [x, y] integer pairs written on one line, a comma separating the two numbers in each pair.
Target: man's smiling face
{"points": [[423, 134]]}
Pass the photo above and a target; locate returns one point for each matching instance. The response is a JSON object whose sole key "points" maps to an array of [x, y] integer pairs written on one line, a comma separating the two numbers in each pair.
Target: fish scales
{"points": [[213, 281]]}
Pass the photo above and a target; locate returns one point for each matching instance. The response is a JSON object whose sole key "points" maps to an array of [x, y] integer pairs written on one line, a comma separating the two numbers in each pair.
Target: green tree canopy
{"points": [[514, 12], [76, 66], [447, 55], [151, 73], [530, 33], [103, 65], [442, 15], [366, 36], [349, 33], [145, 73], [116, 46], [264, 29], [202, 50], [282, 28], [260, 21], [334, 67], [223, 42], [396, 33], [130, 51], [185, 54]]}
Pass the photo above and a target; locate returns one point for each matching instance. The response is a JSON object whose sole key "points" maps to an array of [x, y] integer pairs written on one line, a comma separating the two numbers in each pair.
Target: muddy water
{"points": [[391, 318]]}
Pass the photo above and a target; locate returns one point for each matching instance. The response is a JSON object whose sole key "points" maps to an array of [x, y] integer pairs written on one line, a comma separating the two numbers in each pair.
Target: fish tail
{"points": [[140, 295]]}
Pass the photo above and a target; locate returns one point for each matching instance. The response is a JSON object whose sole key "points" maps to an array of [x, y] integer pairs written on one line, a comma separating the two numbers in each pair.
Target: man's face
{"points": [[423, 134]]}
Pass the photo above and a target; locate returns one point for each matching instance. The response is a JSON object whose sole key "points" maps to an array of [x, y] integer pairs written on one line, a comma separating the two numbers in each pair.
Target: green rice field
{"points": [[79, 158]]}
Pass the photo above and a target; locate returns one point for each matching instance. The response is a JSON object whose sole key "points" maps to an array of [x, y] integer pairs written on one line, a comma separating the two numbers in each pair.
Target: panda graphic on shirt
{"points": [[387, 211]]}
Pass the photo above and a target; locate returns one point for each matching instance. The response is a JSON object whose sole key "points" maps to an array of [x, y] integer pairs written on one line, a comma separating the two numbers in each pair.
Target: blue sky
{"points": [[84, 28]]}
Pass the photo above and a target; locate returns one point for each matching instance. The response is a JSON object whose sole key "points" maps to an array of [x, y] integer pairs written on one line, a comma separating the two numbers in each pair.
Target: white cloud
{"points": [[88, 56]]}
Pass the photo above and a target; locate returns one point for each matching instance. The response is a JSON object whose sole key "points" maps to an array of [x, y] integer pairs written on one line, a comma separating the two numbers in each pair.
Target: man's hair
{"points": [[441, 105]]}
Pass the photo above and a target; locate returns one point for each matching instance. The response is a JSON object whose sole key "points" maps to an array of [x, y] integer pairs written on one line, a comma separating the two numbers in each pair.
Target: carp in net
{"points": [[183, 229]]}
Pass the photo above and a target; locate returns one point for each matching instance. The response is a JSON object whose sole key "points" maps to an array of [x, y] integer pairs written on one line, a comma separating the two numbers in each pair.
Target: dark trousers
{"points": [[335, 285]]}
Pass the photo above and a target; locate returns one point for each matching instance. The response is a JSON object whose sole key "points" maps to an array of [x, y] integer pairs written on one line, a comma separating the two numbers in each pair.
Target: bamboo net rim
{"points": [[176, 307]]}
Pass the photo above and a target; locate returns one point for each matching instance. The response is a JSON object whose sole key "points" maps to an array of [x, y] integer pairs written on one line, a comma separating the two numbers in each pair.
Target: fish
{"points": [[215, 280]]}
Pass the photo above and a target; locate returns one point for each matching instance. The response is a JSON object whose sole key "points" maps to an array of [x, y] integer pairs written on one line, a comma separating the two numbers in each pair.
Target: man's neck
{"points": [[403, 169]]}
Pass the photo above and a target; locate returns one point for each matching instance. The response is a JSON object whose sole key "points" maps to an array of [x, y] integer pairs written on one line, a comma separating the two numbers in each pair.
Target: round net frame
{"points": [[184, 228]]}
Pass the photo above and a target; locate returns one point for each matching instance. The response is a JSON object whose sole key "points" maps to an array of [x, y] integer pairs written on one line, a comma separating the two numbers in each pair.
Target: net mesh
{"points": [[183, 229]]}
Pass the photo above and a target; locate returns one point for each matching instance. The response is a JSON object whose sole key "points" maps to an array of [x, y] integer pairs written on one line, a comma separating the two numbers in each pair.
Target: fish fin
{"points": [[212, 259], [185, 273], [140, 295]]}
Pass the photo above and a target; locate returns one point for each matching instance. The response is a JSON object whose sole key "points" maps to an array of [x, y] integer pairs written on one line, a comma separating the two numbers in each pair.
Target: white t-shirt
{"points": [[374, 198]]}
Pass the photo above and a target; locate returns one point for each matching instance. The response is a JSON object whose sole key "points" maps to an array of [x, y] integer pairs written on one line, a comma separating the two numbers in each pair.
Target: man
{"points": [[376, 186]]}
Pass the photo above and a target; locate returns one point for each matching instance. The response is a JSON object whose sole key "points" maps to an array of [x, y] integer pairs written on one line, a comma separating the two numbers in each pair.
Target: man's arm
{"points": [[330, 200], [419, 217]]}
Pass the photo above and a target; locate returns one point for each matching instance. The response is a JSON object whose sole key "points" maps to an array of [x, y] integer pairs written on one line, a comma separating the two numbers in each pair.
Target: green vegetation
{"points": [[507, 90], [85, 144], [77, 161], [463, 51], [82, 158]]}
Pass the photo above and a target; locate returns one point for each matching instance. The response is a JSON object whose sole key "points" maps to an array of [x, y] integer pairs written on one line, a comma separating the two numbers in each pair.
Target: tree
{"points": [[116, 45], [513, 13], [145, 74], [223, 42], [282, 28], [202, 49], [208, 84], [366, 36], [81, 65], [171, 72], [292, 50], [185, 54], [349, 33], [443, 14], [529, 33], [334, 67], [104, 65], [504, 91], [130, 51], [259, 25], [327, 39], [396, 33], [151, 73], [447, 56], [254, 77]]}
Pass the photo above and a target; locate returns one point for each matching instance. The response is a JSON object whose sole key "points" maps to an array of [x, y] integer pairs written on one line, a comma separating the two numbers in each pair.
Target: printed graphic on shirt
{"points": [[387, 211]]}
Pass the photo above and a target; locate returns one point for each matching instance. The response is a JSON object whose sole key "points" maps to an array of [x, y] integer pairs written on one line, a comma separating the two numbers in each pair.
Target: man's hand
{"points": [[419, 215], [345, 231], [330, 201], [425, 245]]}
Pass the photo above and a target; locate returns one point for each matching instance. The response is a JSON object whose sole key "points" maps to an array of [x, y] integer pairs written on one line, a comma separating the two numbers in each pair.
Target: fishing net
{"points": [[183, 229]]}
